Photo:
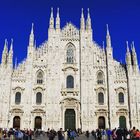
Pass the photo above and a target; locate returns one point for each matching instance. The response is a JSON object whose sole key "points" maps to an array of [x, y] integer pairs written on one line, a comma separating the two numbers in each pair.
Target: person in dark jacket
{"points": [[119, 134], [60, 134]]}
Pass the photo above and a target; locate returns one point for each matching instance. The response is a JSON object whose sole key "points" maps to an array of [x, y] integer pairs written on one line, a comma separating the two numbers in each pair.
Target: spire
{"points": [[127, 47], [31, 40], [108, 38], [5, 52], [11, 47], [107, 30], [134, 55], [88, 22], [128, 55], [133, 47], [57, 20], [82, 20], [51, 20], [5, 46], [10, 56]]}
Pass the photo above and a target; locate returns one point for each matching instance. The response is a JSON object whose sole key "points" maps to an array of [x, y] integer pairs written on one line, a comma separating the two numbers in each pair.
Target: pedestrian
{"points": [[87, 134], [60, 134]]}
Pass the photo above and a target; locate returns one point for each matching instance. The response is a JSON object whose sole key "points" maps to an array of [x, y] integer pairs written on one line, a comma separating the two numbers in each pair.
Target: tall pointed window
{"points": [[40, 77], [70, 54], [38, 98], [121, 98], [70, 81], [100, 78], [18, 98], [100, 98]]}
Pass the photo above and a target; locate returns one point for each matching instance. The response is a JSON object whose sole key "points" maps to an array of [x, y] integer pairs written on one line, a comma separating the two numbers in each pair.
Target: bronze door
{"points": [[38, 123], [69, 119], [122, 122], [101, 123], [16, 122]]}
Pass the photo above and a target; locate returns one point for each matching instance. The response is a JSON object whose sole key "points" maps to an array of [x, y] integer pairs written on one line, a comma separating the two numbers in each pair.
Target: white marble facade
{"points": [[69, 71]]}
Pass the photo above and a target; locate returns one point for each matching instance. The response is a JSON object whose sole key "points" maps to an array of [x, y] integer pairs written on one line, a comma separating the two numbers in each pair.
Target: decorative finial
{"points": [[133, 46], [82, 13], [32, 30], [6, 42], [58, 10], [127, 46], [88, 13], [51, 12], [11, 47], [107, 28], [133, 43], [57, 13]]}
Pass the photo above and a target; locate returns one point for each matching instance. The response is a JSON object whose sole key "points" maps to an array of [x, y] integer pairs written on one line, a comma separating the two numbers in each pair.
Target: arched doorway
{"points": [[101, 122], [122, 122], [69, 119], [38, 122], [16, 122]]}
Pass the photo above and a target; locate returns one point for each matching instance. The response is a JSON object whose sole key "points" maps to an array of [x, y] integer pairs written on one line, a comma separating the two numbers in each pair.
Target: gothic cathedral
{"points": [[69, 81]]}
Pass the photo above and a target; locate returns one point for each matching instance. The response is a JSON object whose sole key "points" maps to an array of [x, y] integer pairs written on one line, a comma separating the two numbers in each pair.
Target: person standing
{"points": [[60, 134]]}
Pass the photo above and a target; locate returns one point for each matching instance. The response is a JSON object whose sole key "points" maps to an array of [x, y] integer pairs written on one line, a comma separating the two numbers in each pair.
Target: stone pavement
{"points": [[81, 137]]}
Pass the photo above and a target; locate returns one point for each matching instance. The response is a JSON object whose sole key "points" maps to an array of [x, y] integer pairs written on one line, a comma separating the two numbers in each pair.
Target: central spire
{"points": [[31, 40], [108, 38]]}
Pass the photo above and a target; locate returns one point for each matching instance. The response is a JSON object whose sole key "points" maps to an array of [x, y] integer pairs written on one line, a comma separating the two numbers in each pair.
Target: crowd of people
{"points": [[70, 134]]}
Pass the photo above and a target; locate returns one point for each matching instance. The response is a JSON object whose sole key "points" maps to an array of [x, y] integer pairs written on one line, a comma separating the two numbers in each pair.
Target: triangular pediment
{"points": [[70, 32]]}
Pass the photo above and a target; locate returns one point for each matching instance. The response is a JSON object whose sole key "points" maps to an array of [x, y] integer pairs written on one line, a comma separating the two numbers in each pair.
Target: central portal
{"points": [[69, 119]]}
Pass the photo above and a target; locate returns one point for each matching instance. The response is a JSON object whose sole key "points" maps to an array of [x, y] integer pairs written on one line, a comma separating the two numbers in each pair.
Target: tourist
{"points": [[114, 136], [99, 134], [119, 133], [133, 133], [72, 134], [60, 134], [137, 135], [94, 134], [87, 134], [66, 134]]}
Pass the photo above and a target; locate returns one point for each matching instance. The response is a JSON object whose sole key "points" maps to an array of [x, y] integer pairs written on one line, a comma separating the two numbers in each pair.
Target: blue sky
{"points": [[123, 17]]}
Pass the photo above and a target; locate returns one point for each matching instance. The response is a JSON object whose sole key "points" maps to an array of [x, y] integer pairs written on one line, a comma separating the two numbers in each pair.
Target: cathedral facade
{"points": [[69, 81]]}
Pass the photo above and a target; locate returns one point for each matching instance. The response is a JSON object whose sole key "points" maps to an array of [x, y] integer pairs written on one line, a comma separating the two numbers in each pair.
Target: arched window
{"points": [[121, 98], [70, 54], [18, 98], [100, 98], [38, 98], [100, 78], [70, 81], [40, 77]]}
